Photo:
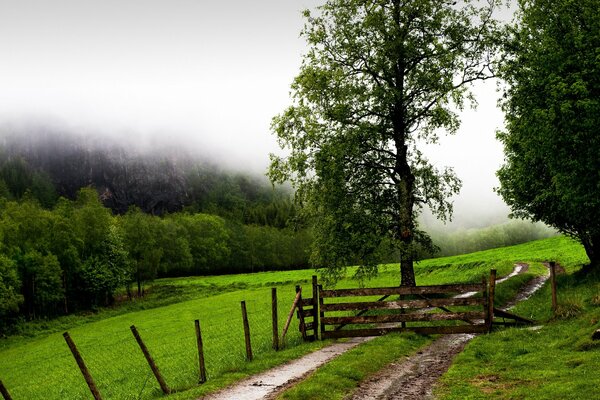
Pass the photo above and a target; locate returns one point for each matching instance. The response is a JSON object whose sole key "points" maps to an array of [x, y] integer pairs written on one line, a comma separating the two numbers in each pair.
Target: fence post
{"points": [[274, 316], [485, 297], [246, 332], [552, 265], [316, 322], [153, 367], [491, 293], [321, 313], [82, 367], [4, 392], [201, 366]]}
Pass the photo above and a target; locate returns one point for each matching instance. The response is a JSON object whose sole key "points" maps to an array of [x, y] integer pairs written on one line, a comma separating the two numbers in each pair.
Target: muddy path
{"points": [[268, 384], [414, 378], [419, 371]]}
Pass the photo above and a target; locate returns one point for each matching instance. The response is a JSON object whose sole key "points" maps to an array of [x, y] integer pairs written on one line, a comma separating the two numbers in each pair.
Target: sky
{"points": [[208, 74]]}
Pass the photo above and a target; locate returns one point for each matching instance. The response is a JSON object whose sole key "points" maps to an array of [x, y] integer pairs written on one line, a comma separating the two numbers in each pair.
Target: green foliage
{"points": [[176, 255], [207, 238], [379, 77], [42, 282], [17, 178], [107, 271], [78, 255], [10, 298], [552, 111], [140, 236]]}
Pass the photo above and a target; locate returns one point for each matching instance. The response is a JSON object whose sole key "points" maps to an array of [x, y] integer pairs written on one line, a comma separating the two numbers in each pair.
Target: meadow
{"points": [[39, 365]]}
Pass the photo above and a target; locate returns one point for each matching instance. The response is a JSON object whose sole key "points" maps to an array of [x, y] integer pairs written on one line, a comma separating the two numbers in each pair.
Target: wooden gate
{"points": [[423, 309]]}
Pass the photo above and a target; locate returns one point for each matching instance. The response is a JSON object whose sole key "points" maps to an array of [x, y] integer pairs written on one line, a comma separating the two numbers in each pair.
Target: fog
{"points": [[203, 76]]}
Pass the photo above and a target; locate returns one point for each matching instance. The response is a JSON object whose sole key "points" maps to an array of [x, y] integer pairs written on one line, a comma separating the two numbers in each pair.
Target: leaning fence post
{"points": [[491, 293], [246, 332], [201, 366], [552, 265], [300, 310], [4, 392], [315, 299], [153, 367], [274, 315], [82, 367]]}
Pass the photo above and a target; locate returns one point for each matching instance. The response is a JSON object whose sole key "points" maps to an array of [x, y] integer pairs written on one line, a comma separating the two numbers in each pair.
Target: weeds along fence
{"points": [[46, 369]]}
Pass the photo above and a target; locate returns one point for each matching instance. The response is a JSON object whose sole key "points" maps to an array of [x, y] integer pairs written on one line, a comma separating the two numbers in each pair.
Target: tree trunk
{"points": [[590, 244], [404, 177], [139, 283], [407, 271]]}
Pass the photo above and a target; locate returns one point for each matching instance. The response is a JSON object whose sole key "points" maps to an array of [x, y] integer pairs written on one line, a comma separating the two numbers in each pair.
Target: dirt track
{"points": [[413, 378]]}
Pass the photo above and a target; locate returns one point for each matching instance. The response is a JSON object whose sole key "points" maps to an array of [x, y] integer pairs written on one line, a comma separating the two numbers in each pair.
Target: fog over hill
{"points": [[157, 178], [169, 81]]}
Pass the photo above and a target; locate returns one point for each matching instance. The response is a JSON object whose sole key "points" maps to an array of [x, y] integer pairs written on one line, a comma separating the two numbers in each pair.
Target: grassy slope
{"points": [[31, 367], [342, 375], [559, 361]]}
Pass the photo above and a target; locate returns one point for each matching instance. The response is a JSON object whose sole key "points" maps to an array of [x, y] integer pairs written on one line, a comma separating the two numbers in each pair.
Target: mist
{"points": [[188, 79]]}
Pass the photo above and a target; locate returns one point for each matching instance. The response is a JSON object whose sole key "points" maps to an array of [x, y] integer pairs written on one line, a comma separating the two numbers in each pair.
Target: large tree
{"points": [[380, 77], [552, 107]]}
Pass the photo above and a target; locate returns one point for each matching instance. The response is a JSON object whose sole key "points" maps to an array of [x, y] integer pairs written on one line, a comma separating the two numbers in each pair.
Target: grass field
{"points": [[38, 365]]}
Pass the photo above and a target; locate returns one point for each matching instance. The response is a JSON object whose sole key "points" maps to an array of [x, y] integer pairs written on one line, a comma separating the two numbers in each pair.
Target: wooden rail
{"points": [[403, 290], [411, 312]]}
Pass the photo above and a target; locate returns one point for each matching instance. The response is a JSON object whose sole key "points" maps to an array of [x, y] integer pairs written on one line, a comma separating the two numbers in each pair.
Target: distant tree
{"points": [[42, 283], [552, 112], [18, 177], [380, 77], [207, 237], [105, 272], [10, 286], [140, 234], [176, 255], [104, 262], [65, 245], [92, 222]]}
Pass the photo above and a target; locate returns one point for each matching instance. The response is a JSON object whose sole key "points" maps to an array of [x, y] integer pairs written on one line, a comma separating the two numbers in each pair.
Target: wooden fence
{"points": [[421, 309]]}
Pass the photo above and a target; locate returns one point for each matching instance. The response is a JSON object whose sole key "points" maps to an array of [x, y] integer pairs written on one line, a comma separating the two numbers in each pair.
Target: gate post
{"points": [[316, 308], [491, 292]]}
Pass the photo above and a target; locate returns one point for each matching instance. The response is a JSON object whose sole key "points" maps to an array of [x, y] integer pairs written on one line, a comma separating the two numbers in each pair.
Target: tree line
{"points": [[77, 254]]}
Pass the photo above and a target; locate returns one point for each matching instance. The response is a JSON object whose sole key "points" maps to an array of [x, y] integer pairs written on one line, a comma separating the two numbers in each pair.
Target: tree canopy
{"points": [[380, 77], [552, 111]]}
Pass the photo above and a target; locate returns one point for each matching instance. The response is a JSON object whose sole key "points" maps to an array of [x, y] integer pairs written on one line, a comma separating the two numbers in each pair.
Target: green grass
{"points": [[38, 365], [559, 361]]}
